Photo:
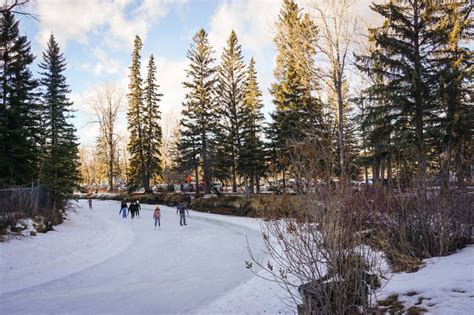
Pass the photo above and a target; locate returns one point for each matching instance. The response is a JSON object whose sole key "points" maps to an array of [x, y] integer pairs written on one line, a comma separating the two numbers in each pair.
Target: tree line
{"points": [[411, 115], [38, 144]]}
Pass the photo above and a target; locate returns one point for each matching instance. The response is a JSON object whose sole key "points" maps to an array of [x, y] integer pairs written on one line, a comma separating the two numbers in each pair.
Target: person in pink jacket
{"points": [[157, 215]]}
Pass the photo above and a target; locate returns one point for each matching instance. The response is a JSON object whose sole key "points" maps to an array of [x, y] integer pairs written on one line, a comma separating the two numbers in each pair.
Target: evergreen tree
{"points": [[455, 93], [197, 117], [231, 87], [19, 110], [252, 153], [61, 164], [136, 120], [402, 63], [297, 109], [152, 127]]}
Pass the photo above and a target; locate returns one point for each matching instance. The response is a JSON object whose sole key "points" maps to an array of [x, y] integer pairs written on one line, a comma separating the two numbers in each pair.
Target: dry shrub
{"points": [[317, 252], [414, 224]]}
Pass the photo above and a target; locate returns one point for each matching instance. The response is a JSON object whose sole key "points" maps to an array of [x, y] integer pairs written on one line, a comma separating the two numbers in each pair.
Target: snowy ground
{"points": [[444, 286], [97, 263]]}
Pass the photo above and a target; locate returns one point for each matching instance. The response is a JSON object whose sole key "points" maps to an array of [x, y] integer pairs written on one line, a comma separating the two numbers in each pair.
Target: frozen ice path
{"points": [[97, 263]]}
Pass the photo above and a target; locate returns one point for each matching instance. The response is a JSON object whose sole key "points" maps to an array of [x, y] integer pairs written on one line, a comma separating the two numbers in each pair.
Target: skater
{"points": [[90, 203], [137, 208], [182, 216], [157, 216], [132, 209], [123, 209]]}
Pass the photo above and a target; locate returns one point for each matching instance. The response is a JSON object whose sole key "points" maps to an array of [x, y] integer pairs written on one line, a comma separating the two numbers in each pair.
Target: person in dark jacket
{"points": [[137, 208], [123, 209], [133, 209], [182, 216]]}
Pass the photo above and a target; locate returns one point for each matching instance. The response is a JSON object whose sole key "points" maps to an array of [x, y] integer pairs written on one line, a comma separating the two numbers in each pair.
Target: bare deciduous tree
{"points": [[13, 6], [338, 35], [107, 101]]}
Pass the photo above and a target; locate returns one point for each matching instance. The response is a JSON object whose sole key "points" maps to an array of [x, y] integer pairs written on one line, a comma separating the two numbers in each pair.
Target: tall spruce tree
{"points": [[152, 128], [61, 163], [402, 62], [19, 111], [455, 93], [230, 90], [136, 116], [198, 117], [297, 109], [252, 153]]}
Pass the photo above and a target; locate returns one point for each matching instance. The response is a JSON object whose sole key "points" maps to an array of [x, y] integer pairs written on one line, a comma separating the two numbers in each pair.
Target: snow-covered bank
{"points": [[444, 286]]}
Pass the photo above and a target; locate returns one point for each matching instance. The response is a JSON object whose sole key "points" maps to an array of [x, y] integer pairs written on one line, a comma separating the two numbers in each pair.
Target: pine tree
{"points": [[455, 93], [297, 109], [61, 164], [152, 128], [231, 86], [197, 117], [136, 119], [402, 63], [19, 110], [252, 153]]}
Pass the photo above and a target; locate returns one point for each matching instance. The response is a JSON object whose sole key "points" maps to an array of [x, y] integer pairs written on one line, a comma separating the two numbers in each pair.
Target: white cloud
{"points": [[117, 20], [170, 76], [252, 21], [103, 65]]}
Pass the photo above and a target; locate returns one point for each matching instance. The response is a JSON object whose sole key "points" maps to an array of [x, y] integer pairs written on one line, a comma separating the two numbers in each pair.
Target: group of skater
{"points": [[134, 210]]}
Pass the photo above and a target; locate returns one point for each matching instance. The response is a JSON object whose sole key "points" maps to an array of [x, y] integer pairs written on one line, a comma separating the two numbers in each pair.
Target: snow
{"points": [[445, 283], [98, 263]]}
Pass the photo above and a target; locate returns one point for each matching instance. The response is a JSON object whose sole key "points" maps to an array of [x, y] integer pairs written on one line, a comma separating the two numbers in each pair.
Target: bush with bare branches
{"points": [[415, 224], [317, 249]]}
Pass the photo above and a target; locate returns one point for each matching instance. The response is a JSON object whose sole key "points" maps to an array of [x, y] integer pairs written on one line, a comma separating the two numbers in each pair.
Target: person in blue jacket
{"points": [[123, 209]]}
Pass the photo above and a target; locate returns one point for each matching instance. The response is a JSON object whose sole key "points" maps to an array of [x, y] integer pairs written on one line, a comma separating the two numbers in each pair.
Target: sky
{"points": [[96, 37]]}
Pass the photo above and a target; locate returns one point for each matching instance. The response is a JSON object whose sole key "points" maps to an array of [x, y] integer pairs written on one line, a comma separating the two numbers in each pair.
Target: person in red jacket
{"points": [[157, 216]]}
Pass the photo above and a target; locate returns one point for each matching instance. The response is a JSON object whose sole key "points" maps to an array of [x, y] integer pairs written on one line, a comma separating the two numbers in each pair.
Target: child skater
{"points": [[157, 216]]}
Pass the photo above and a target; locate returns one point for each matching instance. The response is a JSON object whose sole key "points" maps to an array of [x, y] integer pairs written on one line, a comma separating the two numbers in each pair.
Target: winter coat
{"points": [[181, 209], [157, 213]]}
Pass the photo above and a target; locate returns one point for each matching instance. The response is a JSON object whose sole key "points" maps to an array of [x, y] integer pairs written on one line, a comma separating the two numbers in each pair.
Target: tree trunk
{"points": [[389, 170], [257, 183], [111, 163], [205, 167], [234, 172], [196, 174], [284, 181], [366, 174], [252, 184], [375, 172], [340, 127], [461, 166]]}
